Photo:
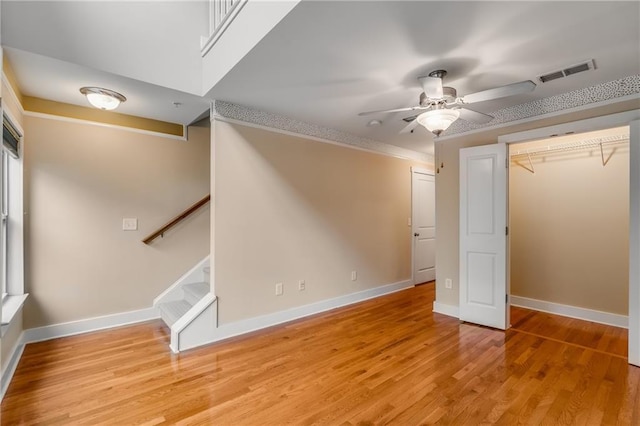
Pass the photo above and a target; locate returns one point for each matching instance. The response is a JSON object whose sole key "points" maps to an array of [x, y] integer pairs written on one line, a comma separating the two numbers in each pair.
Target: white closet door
{"points": [[483, 241]]}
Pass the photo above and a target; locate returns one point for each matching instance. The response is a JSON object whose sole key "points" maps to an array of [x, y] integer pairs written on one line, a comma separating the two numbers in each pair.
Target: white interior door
{"points": [[423, 201], [483, 241]]}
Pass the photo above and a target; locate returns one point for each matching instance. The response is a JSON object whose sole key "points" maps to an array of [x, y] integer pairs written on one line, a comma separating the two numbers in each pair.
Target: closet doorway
{"points": [[631, 120], [569, 225]]}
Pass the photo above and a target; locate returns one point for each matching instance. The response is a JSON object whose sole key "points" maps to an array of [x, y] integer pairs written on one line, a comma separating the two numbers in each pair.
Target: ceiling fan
{"points": [[444, 106]]}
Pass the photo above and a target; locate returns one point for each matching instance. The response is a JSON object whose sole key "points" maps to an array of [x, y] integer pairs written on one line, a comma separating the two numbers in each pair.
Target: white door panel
{"points": [[483, 243], [425, 253], [423, 226]]}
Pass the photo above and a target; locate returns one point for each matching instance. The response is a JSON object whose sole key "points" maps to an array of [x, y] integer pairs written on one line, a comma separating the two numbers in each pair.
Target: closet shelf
{"points": [[584, 145]]}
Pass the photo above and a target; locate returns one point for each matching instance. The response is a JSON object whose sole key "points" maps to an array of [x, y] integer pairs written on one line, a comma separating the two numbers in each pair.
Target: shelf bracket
{"points": [[530, 168]]}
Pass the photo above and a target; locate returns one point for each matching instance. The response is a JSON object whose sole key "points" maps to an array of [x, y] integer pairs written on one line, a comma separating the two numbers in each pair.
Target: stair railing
{"points": [[160, 232]]}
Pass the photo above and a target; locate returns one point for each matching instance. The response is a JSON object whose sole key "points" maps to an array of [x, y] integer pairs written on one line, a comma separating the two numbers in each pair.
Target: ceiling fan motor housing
{"points": [[449, 95]]}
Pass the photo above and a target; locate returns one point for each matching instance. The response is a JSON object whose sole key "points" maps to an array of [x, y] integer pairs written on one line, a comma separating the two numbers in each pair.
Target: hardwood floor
{"points": [[388, 360]]}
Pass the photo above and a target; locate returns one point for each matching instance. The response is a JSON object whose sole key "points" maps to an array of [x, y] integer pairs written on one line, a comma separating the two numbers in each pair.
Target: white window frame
{"points": [[13, 269], [4, 220]]}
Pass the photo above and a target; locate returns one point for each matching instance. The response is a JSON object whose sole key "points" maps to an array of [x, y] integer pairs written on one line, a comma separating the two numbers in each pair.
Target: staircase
{"points": [[189, 308]]}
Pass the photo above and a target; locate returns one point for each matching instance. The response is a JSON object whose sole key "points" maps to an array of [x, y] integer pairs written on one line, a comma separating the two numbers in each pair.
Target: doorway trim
{"points": [[631, 119]]}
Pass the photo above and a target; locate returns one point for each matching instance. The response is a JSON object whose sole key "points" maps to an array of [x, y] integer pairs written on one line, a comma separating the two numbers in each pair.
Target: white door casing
{"points": [[423, 225], [483, 240]]}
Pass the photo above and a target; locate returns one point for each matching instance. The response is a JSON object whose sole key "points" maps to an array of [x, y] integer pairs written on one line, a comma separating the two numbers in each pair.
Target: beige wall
{"points": [[289, 209], [447, 217], [569, 226], [81, 180]]}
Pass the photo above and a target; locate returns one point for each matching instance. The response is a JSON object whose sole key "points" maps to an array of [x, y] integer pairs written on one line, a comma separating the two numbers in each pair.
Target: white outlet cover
{"points": [[130, 224]]}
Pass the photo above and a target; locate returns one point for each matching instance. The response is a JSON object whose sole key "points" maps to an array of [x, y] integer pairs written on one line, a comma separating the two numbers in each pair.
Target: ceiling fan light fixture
{"points": [[104, 99], [438, 120]]}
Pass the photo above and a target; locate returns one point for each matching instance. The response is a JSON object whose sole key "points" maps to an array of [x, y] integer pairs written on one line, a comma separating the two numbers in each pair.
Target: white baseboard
{"points": [[88, 325], [256, 323], [571, 311], [14, 358], [444, 309]]}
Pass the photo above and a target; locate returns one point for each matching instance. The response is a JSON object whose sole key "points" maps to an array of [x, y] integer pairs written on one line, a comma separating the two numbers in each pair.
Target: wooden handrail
{"points": [[176, 219]]}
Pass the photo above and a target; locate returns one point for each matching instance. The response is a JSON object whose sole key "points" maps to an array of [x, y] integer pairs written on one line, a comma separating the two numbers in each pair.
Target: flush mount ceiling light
{"points": [[438, 120], [102, 98]]}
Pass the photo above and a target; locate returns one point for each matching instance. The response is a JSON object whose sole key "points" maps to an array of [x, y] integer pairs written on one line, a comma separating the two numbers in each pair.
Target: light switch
{"points": [[130, 224]]}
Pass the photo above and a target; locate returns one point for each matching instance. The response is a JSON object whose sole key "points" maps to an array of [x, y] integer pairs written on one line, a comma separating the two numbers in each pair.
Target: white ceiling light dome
{"points": [[103, 98], [438, 120]]}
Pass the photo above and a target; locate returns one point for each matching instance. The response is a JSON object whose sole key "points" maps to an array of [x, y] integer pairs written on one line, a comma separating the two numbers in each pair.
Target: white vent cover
{"points": [[570, 70]]}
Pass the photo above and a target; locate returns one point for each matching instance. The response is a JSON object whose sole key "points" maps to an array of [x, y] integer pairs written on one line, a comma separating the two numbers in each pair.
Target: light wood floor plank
{"points": [[385, 361]]}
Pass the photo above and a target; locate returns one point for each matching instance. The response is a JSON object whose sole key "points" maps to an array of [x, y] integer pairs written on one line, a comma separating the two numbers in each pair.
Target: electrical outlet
{"points": [[354, 275], [302, 285], [279, 289], [447, 283]]}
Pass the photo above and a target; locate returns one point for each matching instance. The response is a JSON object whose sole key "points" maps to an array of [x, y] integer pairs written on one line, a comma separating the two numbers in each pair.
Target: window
{"points": [[10, 136], [11, 212]]}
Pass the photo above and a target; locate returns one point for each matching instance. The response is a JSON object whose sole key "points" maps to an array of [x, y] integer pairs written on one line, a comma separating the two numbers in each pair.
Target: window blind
{"points": [[10, 137]]}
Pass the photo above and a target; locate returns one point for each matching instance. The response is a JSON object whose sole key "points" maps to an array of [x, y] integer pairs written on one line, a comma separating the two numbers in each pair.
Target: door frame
{"points": [[631, 119], [423, 171]]}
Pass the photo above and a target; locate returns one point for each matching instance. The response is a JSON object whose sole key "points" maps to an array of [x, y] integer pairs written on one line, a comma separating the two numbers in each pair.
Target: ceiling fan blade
{"points": [[432, 87], [395, 110], [500, 92], [474, 116], [409, 127]]}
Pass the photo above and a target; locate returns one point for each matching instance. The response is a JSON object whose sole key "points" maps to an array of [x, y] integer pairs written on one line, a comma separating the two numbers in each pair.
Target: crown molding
{"points": [[239, 113]]}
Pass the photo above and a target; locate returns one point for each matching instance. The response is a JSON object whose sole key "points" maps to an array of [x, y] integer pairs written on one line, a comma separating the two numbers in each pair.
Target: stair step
{"points": [[196, 291], [172, 311]]}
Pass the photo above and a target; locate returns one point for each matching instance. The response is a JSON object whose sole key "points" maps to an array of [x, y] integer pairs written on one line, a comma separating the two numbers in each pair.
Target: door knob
{"points": [[416, 234]]}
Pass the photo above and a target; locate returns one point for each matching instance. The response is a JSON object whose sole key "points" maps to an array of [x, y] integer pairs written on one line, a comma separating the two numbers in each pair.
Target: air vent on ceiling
{"points": [[570, 70]]}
